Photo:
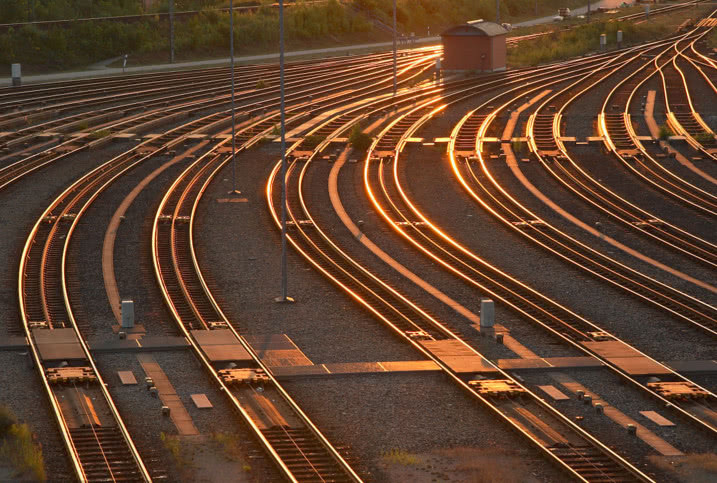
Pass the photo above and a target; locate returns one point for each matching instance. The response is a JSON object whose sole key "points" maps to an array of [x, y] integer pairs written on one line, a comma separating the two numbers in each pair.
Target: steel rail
{"points": [[344, 271], [76, 91], [77, 197], [200, 174], [612, 125], [689, 124], [211, 95], [296, 76], [555, 158], [465, 264], [190, 296], [15, 171], [528, 224]]}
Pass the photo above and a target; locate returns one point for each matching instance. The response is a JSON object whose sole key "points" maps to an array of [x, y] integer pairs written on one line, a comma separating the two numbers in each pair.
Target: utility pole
{"points": [[171, 31], [234, 140], [587, 17], [497, 11], [394, 47], [284, 269]]}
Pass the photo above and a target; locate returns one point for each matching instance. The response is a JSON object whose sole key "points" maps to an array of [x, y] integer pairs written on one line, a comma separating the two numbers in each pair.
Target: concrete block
{"points": [[487, 313], [16, 75], [127, 309]]}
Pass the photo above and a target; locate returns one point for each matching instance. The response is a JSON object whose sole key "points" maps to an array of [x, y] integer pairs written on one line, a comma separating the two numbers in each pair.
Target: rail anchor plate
{"points": [[243, 376], [68, 375], [500, 388], [678, 390]]}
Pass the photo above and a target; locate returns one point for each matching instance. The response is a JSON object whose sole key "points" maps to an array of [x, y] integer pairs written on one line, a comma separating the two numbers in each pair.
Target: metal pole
{"points": [[234, 141], [587, 17], [394, 47], [171, 31], [497, 11], [284, 269]]}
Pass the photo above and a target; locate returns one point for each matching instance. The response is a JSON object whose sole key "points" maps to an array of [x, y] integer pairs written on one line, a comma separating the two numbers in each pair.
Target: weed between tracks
{"points": [[399, 457], [665, 131], [232, 448], [704, 138], [18, 448], [360, 141], [100, 133], [174, 446]]}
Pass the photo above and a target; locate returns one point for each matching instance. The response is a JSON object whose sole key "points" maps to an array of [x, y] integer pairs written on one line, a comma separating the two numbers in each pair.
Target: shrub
{"points": [[314, 140], [7, 419], [665, 131], [22, 453], [705, 138], [359, 140], [518, 147]]}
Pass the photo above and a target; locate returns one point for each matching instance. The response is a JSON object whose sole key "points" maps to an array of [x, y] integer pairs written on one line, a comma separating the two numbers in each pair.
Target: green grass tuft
{"points": [[704, 138], [19, 449], [100, 133], [360, 141], [400, 457], [665, 131]]}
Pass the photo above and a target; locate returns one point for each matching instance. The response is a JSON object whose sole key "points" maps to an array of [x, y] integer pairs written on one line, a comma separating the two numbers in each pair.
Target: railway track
{"points": [[45, 304], [468, 150], [621, 139], [97, 440], [546, 142], [95, 436], [16, 170], [300, 450], [390, 200], [559, 440], [682, 115]]}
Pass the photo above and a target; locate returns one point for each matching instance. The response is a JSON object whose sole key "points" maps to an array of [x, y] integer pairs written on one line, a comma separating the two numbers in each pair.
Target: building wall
{"points": [[499, 52], [464, 53]]}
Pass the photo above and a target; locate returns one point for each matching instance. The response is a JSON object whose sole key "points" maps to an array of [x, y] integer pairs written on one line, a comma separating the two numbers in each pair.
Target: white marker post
{"points": [[16, 75]]}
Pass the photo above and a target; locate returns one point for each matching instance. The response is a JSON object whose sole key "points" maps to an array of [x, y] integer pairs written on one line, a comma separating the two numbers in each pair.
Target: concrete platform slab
{"points": [[201, 401], [299, 371], [639, 366], [221, 345], [155, 343], [696, 367], [55, 336], [348, 368], [58, 344], [226, 353], [657, 418], [554, 392], [549, 363], [458, 357], [410, 366], [13, 343], [127, 377], [167, 394], [354, 367], [278, 350], [626, 358]]}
